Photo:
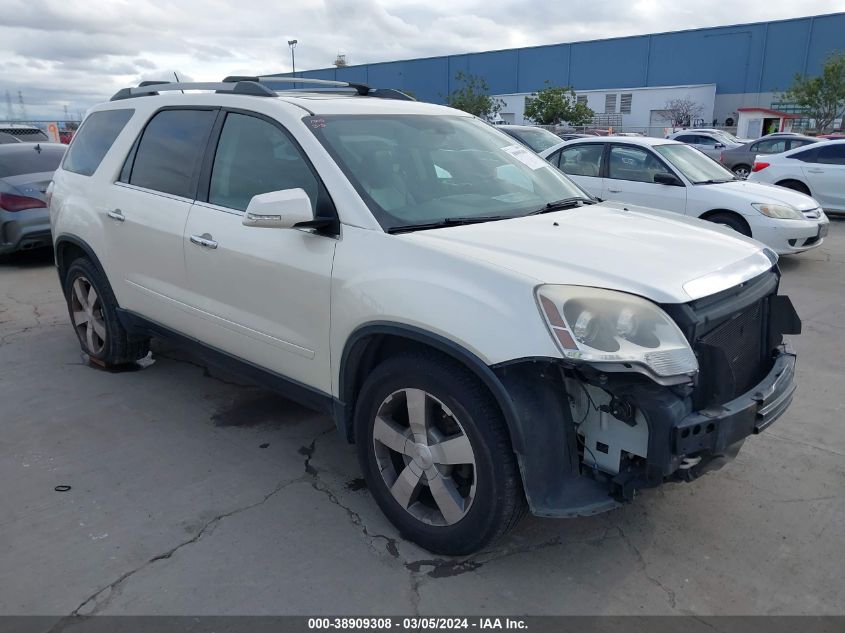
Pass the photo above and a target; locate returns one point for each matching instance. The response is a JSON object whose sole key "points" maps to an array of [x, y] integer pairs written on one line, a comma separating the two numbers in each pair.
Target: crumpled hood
{"points": [[646, 252]]}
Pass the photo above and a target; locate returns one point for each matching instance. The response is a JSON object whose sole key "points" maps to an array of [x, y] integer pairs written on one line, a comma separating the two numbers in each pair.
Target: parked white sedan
{"points": [[666, 174], [817, 170]]}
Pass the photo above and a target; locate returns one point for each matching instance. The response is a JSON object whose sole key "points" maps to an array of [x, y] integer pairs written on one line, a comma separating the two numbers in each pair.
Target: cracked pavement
{"points": [[192, 492]]}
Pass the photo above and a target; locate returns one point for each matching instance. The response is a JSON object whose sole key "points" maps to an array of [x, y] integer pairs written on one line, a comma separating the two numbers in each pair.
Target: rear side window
{"points": [[30, 159], [168, 155], [94, 139], [795, 144], [832, 154], [582, 160]]}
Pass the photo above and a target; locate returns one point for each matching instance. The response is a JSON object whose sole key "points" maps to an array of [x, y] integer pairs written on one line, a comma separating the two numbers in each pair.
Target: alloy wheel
{"points": [[742, 172], [88, 319], [425, 457]]}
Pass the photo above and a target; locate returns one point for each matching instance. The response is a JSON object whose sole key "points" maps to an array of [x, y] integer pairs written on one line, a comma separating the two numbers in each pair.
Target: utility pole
{"points": [[292, 44], [22, 106], [10, 111]]}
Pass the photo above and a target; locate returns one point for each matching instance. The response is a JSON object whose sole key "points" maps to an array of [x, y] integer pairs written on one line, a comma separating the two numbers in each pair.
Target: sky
{"points": [[73, 53]]}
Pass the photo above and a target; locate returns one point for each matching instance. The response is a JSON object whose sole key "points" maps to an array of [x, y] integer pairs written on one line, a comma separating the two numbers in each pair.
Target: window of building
{"points": [[625, 103], [610, 103]]}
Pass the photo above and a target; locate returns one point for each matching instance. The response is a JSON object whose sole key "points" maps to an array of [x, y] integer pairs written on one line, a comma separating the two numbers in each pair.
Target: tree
{"points": [[682, 111], [555, 104], [822, 97], [472, 97]]}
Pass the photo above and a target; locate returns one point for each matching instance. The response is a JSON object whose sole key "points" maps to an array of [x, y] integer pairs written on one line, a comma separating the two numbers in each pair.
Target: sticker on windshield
{"points": [[525, 156]]}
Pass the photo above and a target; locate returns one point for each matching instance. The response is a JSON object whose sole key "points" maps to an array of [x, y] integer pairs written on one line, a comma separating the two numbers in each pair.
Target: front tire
{"points": [[93, 314], [732, 221], [436, 454]]}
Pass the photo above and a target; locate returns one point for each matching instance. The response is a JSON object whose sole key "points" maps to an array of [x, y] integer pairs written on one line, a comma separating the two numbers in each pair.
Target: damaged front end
{"points": [[594, 431]]}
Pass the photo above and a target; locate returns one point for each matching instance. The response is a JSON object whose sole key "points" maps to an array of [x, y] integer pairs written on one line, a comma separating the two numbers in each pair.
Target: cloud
{"points": [[75, 53]]}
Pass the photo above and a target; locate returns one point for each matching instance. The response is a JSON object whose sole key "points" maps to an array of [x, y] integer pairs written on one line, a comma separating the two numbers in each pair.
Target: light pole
{"points": [[292, 44]]}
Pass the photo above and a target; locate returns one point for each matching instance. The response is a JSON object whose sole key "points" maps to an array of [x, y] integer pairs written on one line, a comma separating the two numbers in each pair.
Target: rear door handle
{"points": [[816, 171], [204, 240], [117, 214], [614, 190]]}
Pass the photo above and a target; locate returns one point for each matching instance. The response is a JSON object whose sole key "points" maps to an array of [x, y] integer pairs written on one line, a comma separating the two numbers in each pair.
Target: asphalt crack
{"points": [[670, 593], [391, 544], [102, 597]]}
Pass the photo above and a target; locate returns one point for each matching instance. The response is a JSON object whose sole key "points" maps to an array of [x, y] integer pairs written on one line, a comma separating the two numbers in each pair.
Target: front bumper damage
{"points": [[682, 443]]}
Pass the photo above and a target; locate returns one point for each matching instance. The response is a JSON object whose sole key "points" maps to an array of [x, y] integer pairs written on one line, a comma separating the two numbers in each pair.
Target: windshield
{"points": [[536, 138], [419, 169], [697, 167], [727, 136]]}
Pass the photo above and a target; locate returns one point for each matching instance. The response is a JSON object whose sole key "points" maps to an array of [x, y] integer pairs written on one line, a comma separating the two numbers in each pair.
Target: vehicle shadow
{"points": [[36, 258]]}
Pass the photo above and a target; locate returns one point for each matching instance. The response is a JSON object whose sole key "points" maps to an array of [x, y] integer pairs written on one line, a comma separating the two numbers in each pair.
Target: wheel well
{"points": [[366, 350], [734, 214], [66, 253], [69, 248], [741, 165], [792, 181]]}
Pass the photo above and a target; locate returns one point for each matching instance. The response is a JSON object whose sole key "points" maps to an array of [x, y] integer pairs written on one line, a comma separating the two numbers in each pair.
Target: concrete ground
{"points": [[191, 493]]}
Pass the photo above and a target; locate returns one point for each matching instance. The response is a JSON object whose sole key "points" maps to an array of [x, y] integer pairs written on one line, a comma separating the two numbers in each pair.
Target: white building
{"points": [[627, 109]]}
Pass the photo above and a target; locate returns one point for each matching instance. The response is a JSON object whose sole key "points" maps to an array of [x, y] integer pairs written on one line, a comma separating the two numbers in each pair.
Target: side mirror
{"points": [[672, 180], [283, 209], [720, 146]]}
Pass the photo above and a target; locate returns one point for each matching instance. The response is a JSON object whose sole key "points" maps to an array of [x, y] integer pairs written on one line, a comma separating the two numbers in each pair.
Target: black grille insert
{"points": [[731, 355]]}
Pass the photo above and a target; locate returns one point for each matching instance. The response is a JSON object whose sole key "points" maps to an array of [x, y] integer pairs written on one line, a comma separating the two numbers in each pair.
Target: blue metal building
{"points": [[748, 63]]}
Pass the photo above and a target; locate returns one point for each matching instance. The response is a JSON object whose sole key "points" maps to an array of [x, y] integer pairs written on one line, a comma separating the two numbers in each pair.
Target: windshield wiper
{"points": [[439, 224], [565, 203]]}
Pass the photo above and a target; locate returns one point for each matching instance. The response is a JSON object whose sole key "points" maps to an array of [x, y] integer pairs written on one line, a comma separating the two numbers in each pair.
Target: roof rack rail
{"points": [[363, 90], [148, 88]]}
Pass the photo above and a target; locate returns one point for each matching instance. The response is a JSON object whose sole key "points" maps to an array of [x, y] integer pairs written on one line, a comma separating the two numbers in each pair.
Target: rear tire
{"points": [[741, 171], [795, 185], [93, 314], [451, 502], [732, 221]]}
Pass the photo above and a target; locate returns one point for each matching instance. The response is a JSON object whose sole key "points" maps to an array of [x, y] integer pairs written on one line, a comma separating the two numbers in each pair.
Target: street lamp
{"points": [[292, 44]]}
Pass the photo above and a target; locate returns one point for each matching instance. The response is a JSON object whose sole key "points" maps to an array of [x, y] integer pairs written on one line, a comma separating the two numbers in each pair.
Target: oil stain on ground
{"points": [[258, 409]]}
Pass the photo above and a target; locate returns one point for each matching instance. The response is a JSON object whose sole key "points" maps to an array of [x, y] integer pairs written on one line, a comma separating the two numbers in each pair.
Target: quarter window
{"points": [[633, 163], [582, 160], [94, 139], [168, 154], [254, 157]]}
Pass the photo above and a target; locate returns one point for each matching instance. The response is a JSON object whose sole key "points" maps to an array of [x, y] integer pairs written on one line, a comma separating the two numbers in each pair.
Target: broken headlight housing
{"points": [[617, 330]]}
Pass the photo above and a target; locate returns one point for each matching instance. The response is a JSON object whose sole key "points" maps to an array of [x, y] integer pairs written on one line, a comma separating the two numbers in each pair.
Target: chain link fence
{"points": [[56, 130]]}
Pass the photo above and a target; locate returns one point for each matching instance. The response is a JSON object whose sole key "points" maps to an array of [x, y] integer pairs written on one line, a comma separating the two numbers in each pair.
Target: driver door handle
{"points": [[116, 214], [205, 240], [614, 190]]}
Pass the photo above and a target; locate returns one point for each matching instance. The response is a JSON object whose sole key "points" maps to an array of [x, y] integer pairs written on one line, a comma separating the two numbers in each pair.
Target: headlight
{"points": [[778, 211], [605, 326]]}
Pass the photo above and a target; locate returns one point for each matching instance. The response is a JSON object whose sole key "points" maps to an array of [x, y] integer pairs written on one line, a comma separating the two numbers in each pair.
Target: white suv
{"points": [[488, 335]]}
